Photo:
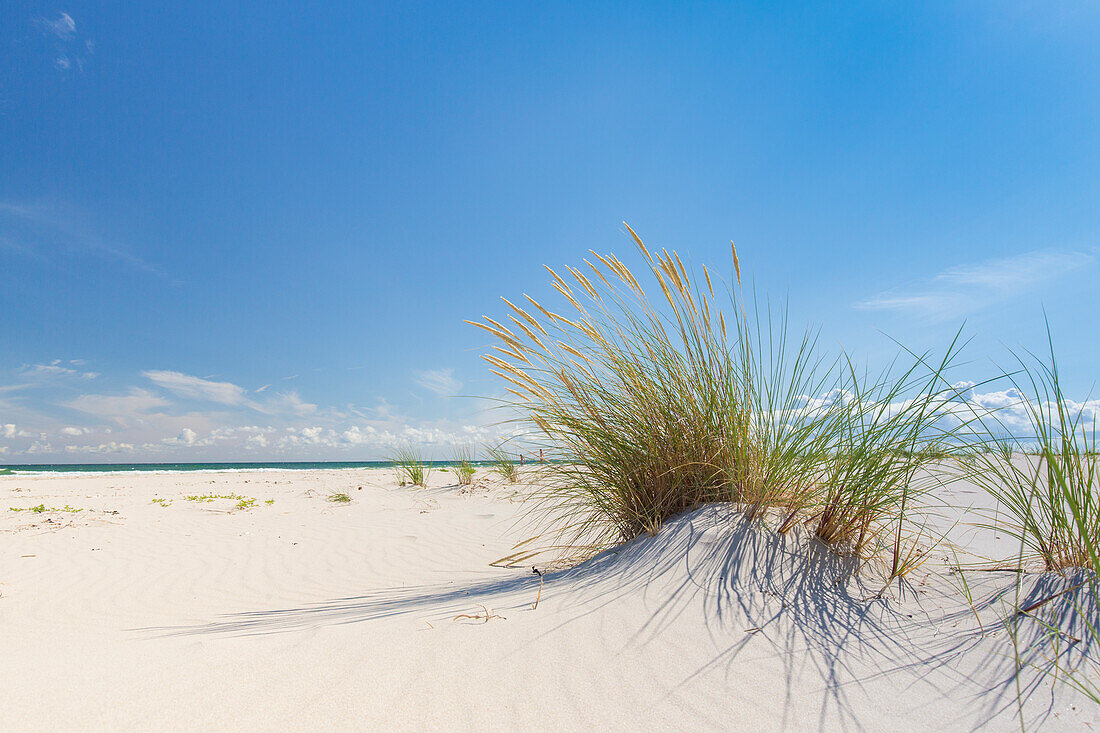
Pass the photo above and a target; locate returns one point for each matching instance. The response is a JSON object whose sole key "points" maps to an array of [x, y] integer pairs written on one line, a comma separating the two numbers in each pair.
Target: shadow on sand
{"points": [[750, 587]]}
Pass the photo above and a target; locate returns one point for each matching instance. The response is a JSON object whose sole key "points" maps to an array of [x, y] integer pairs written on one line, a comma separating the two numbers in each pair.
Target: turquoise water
{"points": [[183, 467]]}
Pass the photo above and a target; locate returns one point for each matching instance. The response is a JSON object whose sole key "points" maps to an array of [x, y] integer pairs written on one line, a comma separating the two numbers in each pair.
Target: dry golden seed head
{"points": [[530, 334], [665, 290], [574, 352], [518, 356], [683, 271], [586, 284], [557, 278], [499, 334], [526, 316], [599, 274], [522, 397], [495, 361], [709, 286], [501, 327], [516, 382], [568, 296], [638, 241], [602, 259], [736, 263], [542, 310], [591, 332]]}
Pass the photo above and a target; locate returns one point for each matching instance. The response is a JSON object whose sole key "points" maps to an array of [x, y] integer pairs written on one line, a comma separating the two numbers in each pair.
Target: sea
{"points": [[49, 468]]}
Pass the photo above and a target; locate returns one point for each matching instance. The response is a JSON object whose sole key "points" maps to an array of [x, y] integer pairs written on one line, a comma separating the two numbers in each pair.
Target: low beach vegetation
{"points": [[340, 497], [1046, 483], [658, 394], [242, 502], [410, 467], [1047, 480], [463, 466], [657, 405], [503, 464], [42, 508]]}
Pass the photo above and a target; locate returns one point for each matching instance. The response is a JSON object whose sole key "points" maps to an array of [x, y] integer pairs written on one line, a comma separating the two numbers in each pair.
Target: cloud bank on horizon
{"points": [[48, 416], [180, 417]]}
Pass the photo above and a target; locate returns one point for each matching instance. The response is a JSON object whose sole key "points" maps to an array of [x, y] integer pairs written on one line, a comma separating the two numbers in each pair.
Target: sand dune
{"points": [[307, 614]]}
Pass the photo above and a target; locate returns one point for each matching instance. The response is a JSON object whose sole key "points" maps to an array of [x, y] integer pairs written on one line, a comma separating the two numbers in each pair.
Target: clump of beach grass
{"points": [[503, 464], [888, 431], [1046, 482], [1048, 496], [660, 405], [643, 410], [340, 497], [410, 466], [463, 466]]}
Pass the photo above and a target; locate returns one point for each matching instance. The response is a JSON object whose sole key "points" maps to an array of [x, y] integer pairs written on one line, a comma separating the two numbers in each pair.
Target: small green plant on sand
{"points": [[36, 509], [410, 466], [243, 502], [212, 497], [42, 508], [162, 501], [340, 497], [269, 502]]}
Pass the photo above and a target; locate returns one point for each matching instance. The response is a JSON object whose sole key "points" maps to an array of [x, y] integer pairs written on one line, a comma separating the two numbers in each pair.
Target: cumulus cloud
{"points": [[964, 289], [101, 448], [440, 381], [170, 415]]}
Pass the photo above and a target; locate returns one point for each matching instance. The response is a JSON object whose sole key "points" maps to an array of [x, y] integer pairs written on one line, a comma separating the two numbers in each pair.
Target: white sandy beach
{"points": [[305, 614]]}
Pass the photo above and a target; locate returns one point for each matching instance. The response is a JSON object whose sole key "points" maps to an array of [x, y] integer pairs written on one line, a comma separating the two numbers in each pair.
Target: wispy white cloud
{"points": [[63, 26], [69, 51], [55, 369], [289, 402], [440, 381], [136, 403], [197, 388], [958, 291], [44, 230]]}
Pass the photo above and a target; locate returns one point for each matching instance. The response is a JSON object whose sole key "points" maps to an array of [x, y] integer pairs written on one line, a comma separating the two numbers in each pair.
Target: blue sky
{"points": [[253, 232]]}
